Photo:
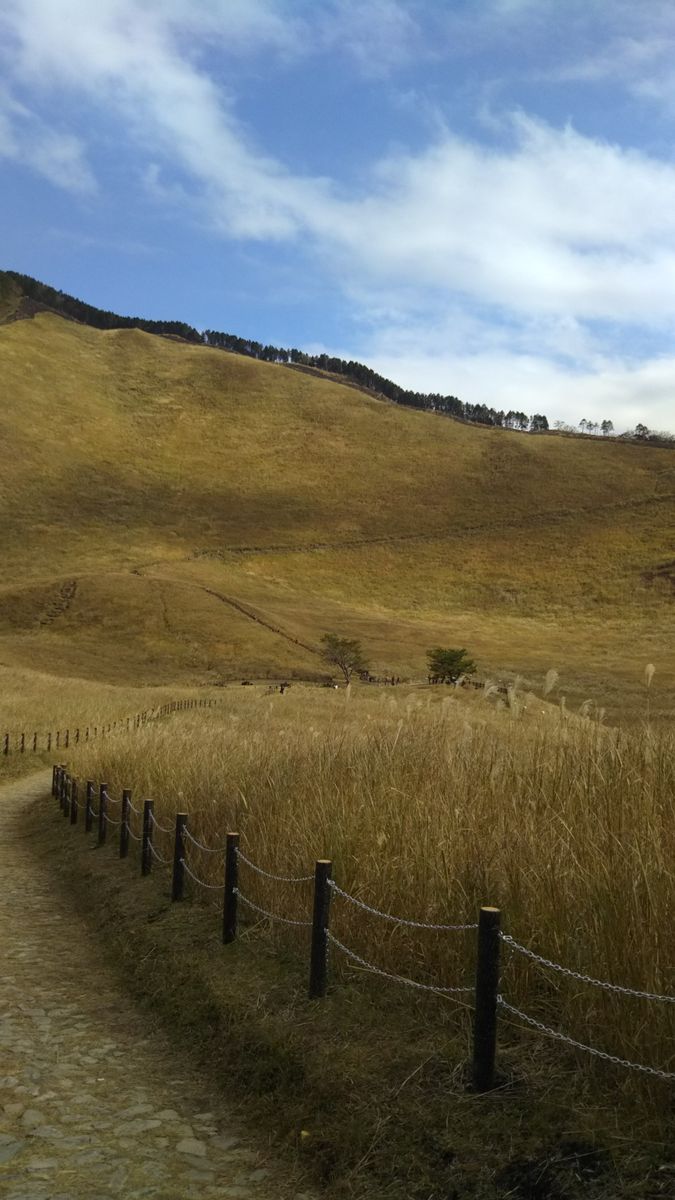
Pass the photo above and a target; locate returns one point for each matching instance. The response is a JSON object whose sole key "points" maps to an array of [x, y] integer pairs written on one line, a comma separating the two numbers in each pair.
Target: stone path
{"points": [[93, 1102]]}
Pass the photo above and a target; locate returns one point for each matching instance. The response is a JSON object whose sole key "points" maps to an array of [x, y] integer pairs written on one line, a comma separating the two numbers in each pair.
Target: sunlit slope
{"points": [[124, 441], [152, 474]]}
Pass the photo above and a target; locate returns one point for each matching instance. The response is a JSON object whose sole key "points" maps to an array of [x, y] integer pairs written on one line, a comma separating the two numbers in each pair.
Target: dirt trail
{"points": [[94, 1102], [515, 524], [60, 604]]}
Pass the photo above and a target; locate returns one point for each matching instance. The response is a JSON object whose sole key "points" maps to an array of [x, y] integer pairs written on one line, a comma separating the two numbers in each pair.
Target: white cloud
{"points": [[548, 229], [624, 393], [379, 35], [555, 366], [56, 155], [552, 222], [555, 223]]}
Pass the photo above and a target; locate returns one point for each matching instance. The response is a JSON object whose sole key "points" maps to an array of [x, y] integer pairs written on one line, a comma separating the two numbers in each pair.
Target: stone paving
{"points": [[94, 1102]]}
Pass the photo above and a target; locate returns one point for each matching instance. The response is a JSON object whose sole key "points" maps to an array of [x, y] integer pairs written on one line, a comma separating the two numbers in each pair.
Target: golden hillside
{"points": [[170, 512]]}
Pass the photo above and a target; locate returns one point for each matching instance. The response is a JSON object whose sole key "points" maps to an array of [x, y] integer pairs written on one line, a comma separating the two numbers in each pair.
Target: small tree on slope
{"points": [[344, 653], [448, 665]]}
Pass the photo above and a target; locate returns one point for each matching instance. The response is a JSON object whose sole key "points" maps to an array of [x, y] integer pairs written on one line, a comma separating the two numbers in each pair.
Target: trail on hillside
{"points": [[95, 1103], [524, 520], [253, 616], [61, 603], [244, 609]]}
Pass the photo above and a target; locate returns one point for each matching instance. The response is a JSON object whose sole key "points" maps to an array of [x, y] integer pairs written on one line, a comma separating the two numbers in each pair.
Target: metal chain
{"points": [[265, 913], [162, 828], [163, 861], [269, 875], [388, 917], [216, 887], [200, 845], [424, 987], [562, 1037], [609, 987]]}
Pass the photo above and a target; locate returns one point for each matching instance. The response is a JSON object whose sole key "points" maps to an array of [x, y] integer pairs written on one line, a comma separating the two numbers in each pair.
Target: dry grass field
{"points": [[142, 475], [175, 518], [430, 806], [429, 802]]}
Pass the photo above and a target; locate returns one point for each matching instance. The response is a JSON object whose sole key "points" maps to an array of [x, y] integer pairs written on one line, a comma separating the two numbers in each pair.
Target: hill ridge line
{"points": [[36, 296]]}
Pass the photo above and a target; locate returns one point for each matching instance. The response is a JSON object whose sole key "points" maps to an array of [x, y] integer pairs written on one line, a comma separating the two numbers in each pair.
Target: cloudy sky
{"points": [[473, 196]]}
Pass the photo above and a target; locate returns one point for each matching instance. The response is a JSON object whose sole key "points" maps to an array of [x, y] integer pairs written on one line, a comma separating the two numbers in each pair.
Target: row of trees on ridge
{"points": [[352, 372]]}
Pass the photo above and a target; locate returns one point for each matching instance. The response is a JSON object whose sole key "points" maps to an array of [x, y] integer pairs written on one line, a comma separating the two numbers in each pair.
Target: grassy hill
{"points": [[173, 516], [170, 512]]}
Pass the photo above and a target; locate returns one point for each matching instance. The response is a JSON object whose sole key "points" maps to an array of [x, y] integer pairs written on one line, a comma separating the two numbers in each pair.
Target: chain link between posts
{"points": [[263, 911], [164, 861], [161, 828], [601, 983], [568, 1041], [214, 887], [200, 845], [423, 987], [376, 912], [269, 875]]}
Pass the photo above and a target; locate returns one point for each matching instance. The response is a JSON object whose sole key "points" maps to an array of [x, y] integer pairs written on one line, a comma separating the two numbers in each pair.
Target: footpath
{"points": [[94, 1103]]}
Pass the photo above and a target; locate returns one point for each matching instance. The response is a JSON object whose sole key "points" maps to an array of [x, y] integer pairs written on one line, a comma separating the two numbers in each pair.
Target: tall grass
{"points": [[429, 809], [35, 701]]}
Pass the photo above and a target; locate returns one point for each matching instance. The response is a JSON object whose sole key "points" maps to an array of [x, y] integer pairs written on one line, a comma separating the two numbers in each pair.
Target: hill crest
{"points": [[21, 296]]}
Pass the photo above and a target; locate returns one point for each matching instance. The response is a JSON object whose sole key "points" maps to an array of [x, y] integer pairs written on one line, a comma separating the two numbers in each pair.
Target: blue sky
{"points": [[476, 198]]}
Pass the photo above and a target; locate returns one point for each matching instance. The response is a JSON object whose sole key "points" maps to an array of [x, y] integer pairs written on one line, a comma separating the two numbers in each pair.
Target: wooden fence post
{"points": [[49, 740], [102, 813], [73, 802], [34, 742], [58, 738], [178, 856], [88, 811], [487, 989], [23, 742], [66, 796], [231, 878], [146, 852], [66, 740], [64, 784], [124, 824], [318, 970], [5, 748]]}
